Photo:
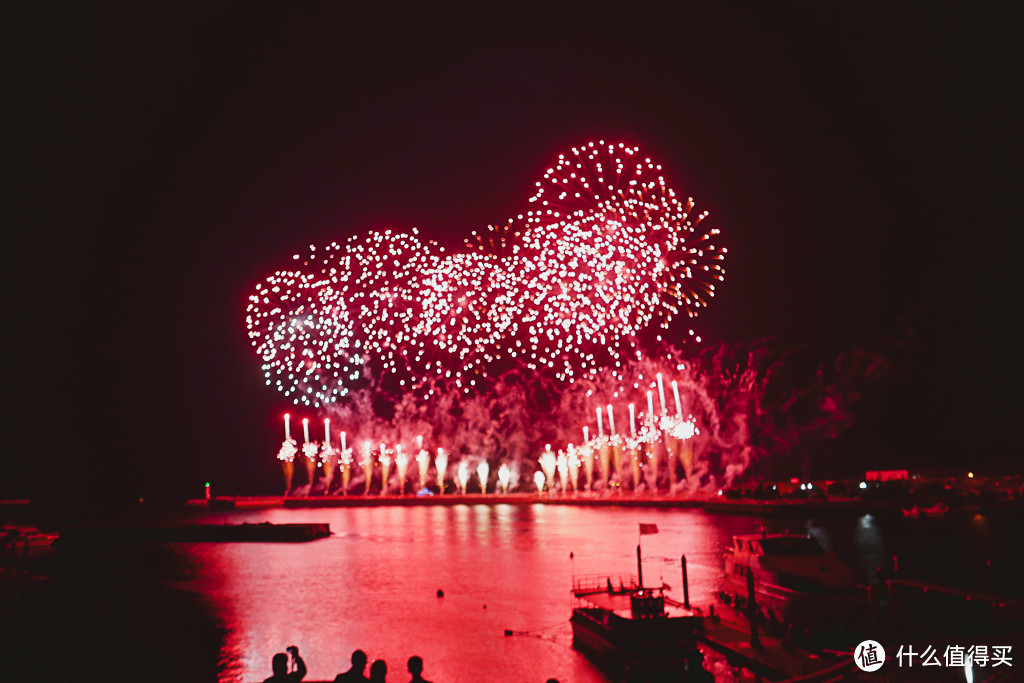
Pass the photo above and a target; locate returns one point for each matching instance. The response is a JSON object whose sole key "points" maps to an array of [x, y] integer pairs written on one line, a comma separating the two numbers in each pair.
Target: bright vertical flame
{"points": [[548, 464], [441, 465], [482, 472], [661, 394], [504, 477]]}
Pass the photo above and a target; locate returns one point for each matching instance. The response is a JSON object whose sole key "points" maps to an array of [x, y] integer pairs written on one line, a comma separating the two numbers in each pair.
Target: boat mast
{"points": [[639, 567]]}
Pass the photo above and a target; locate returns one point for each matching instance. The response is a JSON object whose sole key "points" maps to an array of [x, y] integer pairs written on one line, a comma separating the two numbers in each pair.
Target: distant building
{"points": [[886, 475]]}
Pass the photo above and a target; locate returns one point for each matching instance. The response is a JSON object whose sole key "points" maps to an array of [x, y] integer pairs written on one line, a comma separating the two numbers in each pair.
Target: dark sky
{"points": [[860, 159]]}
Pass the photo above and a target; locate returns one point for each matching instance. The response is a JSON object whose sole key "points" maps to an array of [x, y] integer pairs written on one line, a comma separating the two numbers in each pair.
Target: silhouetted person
{"points": [[416, 669], [355, 674], [378, 670], [279, 665]]}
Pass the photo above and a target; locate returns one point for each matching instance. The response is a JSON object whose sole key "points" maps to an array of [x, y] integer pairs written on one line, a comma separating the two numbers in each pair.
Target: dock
{"points": [[200, 533], [772, 659]]}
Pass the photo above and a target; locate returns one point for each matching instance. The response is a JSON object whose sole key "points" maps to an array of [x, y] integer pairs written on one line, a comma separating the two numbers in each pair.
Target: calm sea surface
{"points": [[373, 584], [209, 611]]}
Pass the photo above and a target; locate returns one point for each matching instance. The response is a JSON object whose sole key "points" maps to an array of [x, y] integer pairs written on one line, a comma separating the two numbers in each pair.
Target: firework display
{"points": [[386, 467], [498, 356], [606, 251]]}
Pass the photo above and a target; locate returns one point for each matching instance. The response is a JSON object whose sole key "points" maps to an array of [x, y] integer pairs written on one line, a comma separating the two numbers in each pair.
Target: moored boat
{"points": [[627, 626], [26, 541], [792, 586]]}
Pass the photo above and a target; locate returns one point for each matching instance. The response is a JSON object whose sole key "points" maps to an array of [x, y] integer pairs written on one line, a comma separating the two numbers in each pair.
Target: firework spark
{"points": [[607, 251]]}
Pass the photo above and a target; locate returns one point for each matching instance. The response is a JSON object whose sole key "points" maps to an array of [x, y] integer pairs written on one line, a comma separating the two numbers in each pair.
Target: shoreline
{"points": [[707, 504]]}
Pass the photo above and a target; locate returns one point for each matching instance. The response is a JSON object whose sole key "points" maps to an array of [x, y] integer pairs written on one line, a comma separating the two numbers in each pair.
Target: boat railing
{"points": [[604, 583]]}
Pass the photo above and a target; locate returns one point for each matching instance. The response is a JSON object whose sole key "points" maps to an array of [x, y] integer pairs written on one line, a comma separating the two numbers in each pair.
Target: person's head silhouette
{"points": [[359, 660], [415, 665], [279, 664], [378, 670]]}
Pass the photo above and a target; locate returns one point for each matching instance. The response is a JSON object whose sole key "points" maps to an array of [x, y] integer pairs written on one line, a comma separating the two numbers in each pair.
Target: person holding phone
{"points": [[281, 663]]}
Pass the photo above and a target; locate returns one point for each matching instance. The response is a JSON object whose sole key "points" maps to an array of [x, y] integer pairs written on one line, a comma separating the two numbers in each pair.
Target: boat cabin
{"points": [[787, 560]]}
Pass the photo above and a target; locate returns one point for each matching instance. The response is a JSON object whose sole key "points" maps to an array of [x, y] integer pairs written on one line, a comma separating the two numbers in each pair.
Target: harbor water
{"points": [[220, 611]]}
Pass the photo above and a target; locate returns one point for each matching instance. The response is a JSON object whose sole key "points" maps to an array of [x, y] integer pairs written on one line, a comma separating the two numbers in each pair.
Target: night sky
{"points": [[860, 159]]}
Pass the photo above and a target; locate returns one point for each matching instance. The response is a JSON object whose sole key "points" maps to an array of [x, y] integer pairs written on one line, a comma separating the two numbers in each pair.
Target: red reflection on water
{"points": [[373, 585]]}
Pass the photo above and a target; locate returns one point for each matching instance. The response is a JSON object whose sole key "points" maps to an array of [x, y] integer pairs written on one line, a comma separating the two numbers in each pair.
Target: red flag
{"points": [[646, 529]]}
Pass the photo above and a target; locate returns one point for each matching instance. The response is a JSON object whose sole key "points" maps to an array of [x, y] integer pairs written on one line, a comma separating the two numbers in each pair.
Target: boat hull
{"points": [[608, 636]]}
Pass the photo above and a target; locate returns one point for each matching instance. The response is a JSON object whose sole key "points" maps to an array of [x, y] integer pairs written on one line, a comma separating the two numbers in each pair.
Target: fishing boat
{"points": [[627, 626], [617, 618], [791, 585]]}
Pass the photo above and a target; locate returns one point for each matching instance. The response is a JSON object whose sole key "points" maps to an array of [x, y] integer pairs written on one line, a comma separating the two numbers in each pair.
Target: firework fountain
{"points": [[366, 462], [482, 472], [574, 467], [423, 463], [441, 465], [504, 477], [562, 465], [344, 464], [328, 457], [587, 451], [311, 450], [402, 464], [548, 464], [385, 468], [287, 454]]}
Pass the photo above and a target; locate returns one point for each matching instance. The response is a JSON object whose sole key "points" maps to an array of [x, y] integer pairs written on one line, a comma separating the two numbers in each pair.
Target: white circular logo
{"points": [[869, 655]]}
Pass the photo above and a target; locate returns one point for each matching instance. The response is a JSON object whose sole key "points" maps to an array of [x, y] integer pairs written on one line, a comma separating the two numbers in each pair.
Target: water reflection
{"points": [[869, 548], [373, 584]]}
